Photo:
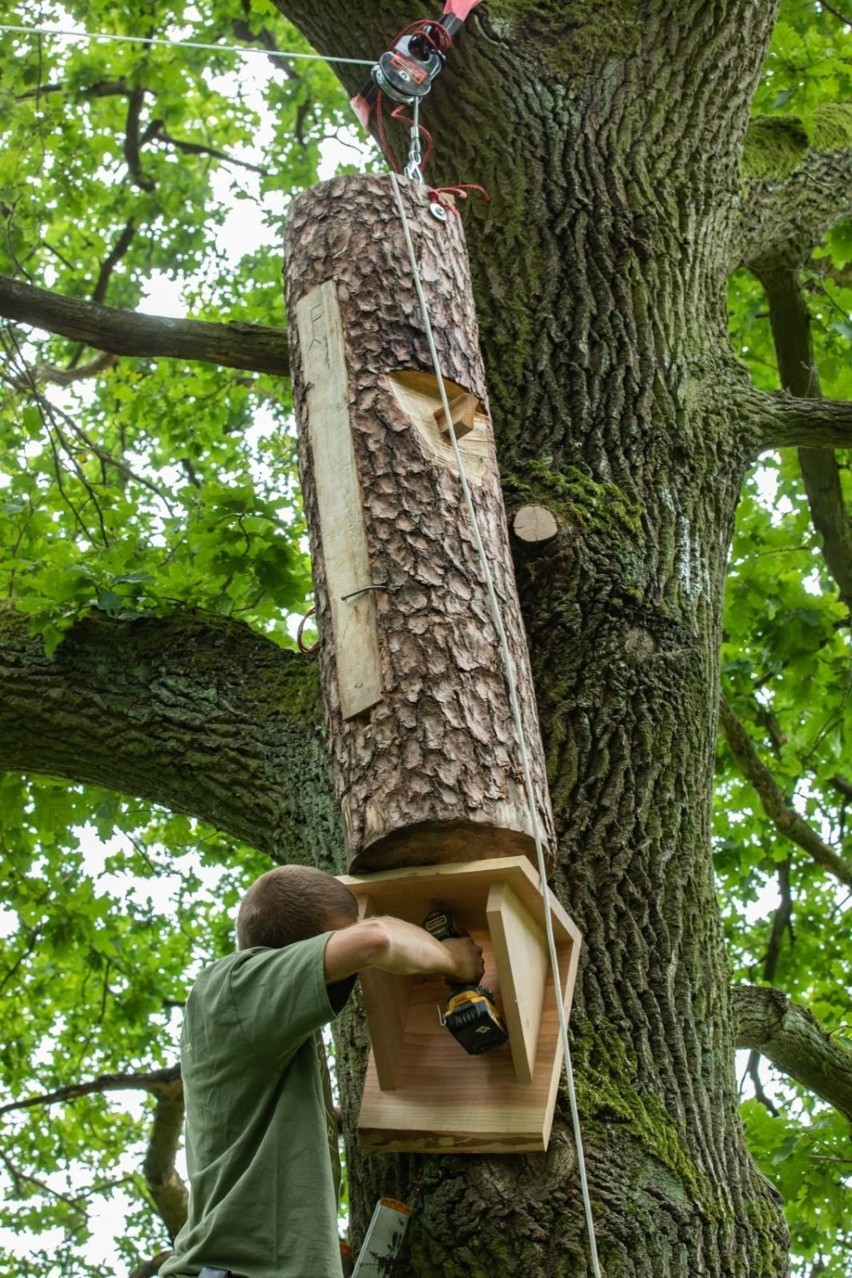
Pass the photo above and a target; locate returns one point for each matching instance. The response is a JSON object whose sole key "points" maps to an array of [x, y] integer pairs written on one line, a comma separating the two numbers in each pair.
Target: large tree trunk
{"points": [[601, 267]]}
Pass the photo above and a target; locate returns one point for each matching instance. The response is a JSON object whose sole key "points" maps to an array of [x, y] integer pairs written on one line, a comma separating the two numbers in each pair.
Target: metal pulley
{"points": [[406, 72]]}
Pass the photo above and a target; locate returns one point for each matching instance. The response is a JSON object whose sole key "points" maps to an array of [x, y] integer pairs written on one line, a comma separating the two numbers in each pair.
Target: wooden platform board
{"points": [[423, 1092]]}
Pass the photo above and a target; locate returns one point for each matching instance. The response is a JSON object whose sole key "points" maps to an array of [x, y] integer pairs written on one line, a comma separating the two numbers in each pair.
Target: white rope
{"points": [[182, 44], [511, 682]]}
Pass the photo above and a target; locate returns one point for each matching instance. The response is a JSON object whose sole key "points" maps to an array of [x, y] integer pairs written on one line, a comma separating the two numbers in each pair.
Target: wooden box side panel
{"points": [[521, 956], [447, 1101], [386, 1003]]}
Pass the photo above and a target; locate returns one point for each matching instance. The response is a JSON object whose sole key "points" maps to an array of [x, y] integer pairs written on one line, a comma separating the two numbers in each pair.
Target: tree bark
{"points": [[430, 771]]}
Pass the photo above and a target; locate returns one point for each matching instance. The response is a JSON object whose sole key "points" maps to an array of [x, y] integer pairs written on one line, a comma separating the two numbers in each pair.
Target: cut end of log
{"points": [[445, 842], [535, 525]]}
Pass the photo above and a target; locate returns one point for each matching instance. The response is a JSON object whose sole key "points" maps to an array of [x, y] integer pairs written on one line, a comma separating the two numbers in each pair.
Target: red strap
{"points": [[459, 8], [460, 190]]}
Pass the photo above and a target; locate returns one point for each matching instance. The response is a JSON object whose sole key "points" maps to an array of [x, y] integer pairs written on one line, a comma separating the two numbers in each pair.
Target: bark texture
{"points": [[432, 772]]}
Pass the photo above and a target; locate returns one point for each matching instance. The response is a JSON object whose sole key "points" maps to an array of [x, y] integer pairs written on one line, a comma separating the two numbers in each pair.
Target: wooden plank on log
{"points": [[341, 512]]}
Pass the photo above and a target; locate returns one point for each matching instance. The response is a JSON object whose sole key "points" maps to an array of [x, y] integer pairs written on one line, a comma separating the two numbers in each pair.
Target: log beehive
{"points": [[424, 755]]}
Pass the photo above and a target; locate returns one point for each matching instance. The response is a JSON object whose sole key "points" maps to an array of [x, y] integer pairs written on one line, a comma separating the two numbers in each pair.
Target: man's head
{"points": [[291, 903]]}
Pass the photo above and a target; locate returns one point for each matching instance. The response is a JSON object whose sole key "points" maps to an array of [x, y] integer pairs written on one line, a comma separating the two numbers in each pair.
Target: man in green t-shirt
{"points": [[263, 1201]]}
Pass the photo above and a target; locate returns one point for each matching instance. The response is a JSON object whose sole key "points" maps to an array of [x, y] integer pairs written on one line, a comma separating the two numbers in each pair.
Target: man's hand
{"points": [[393, 945], [467, 957]]}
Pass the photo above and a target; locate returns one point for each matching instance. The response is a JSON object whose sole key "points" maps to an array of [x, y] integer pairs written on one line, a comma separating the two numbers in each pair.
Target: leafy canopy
{"points": [[133, 174]]}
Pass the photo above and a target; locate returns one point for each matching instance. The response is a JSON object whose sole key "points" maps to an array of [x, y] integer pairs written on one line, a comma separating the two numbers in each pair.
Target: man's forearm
{"points": [[393, 945], [410, 950]]}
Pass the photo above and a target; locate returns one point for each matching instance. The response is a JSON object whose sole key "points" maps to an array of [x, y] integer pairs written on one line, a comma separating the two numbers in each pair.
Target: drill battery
{"points": [[472, 1018]]}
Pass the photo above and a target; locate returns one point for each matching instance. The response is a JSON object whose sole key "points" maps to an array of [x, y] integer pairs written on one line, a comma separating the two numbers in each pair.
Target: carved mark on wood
{"points": [[341, 514]]}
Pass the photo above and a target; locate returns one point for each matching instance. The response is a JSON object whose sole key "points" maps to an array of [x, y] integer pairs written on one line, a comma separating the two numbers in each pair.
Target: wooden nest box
{"points": [[423, 1092]]}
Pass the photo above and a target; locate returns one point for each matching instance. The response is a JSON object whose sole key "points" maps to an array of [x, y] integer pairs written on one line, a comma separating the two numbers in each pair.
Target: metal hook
{"points": [[382, 585], [415, 159]]}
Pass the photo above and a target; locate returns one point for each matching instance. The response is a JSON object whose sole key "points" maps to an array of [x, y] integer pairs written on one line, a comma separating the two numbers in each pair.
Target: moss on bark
{"points": [[774, 146], [573, 496]]}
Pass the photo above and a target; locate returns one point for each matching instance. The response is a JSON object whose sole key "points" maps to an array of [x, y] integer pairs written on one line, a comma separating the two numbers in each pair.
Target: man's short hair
{"points": [[291, 903]]}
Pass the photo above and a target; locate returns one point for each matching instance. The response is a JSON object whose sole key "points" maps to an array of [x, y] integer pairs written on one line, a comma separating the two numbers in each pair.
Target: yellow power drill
{"points": [[470, 1013]]}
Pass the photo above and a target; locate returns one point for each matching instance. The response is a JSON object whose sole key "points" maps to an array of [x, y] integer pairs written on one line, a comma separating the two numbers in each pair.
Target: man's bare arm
{"points": [[402, 948]]}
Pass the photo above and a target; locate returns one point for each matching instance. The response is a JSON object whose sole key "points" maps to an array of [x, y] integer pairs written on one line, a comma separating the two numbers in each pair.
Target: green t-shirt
{"points": [[263, 1201]]}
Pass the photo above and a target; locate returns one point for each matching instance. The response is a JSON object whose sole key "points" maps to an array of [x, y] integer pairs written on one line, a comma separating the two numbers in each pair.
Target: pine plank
{"points": [[444, 1100], [341, 512]]}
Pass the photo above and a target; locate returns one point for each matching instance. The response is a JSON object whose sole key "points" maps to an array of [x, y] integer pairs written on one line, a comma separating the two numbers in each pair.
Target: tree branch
{"points": [[160, 1082], [167, 1190], [64, 376], [122, 244], [773, 801], [267, 41], [843, 785], [835, 13], [779, 420], [132, 153], [156, 132], [784, 219], [254, 347], [791, 1038], [782, 921], [790, 321], [193, 711], [104, 89], [151, 1267]]}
